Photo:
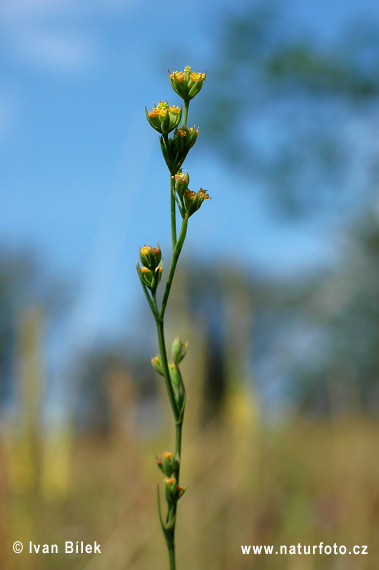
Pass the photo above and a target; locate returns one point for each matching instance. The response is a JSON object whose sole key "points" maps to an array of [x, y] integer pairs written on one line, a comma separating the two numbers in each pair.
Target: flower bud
{"points": [[150, 277], [173, 491], [177, 384], [193, 200], [170, 488], [184, 139], [164, 118], [187, 83], [178, 350], [180, 491], [146, 276], [150, 256], [156, 363], [181, 183], [168, 464], [176, 381], [158, 274], [176, 148]]}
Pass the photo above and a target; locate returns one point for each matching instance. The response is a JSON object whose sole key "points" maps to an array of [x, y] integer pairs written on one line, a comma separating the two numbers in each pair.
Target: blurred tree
{"points": [[294, 112], [341, 369], [108, 380], [23, 285]]}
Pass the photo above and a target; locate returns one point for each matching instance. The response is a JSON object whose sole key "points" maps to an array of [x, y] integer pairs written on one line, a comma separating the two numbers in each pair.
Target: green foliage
{"points": [[288, 98]]}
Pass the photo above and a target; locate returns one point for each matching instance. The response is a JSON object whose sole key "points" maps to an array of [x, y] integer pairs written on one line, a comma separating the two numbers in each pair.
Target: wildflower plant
{"points": [[166, 120]]}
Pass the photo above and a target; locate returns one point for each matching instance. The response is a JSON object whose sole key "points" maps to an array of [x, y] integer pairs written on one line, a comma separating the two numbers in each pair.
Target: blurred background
{"points": [[277, 291]]}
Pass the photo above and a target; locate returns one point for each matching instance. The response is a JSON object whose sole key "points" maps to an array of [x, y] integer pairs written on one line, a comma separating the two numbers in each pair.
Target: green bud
{"points": [[178, 350], [181, 183], [168, 464], [176, 380], [184, 139], [150, 277], [177, 384], [164, 118], [170, 490], [168, 151], [193, 200], [176, 148], [173, 491], [187, 83], [150, 256], [156, 363]]}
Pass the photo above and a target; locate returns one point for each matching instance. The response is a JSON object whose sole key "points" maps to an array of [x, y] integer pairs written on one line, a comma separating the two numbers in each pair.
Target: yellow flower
{"points": [[177, 75], [164, 118], [196, 76], [187, 83]]}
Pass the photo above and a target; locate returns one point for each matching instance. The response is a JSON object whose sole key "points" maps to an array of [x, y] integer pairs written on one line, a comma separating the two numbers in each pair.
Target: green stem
{"points": [[174, 261], [152, 305], [178, 446], [171, 555], [173, 211], [185, 114], [162, 350], [178, 449], [177, 245]]}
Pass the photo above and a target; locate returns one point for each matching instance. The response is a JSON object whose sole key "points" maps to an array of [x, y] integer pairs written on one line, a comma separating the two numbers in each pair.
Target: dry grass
{"points": [[301, 482]]}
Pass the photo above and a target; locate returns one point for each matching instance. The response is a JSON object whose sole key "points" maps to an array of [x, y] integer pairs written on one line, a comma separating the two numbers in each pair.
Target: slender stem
{"points": [[179, 440], [162, 349], [152, 305], [185, 114], [178, 447], [168, 528], [171, 554], [174, 261], [173, 211], [155, 305]]}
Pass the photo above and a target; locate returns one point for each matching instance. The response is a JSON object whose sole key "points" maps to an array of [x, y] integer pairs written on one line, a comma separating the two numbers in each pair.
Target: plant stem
{"points": [[185, 114], [177, 408], [174, 261], [171, 554], [162, 350], [152, 304], [178, 445], [178, 413], [173, 211]]}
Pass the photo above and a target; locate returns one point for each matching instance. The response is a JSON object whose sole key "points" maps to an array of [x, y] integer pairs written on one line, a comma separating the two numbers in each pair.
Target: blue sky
{"points": [[82, 181]]}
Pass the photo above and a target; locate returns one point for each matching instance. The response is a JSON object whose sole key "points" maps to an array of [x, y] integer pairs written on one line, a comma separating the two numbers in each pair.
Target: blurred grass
{"points": [[296, 482], [299, 481]]}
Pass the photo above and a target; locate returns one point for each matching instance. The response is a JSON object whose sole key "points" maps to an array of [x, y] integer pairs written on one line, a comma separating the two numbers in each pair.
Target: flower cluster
{"points": [[189, 201], [187, 83], [164, 118], [173, 491], [169, 465], [176, 148], [151, 271]]}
